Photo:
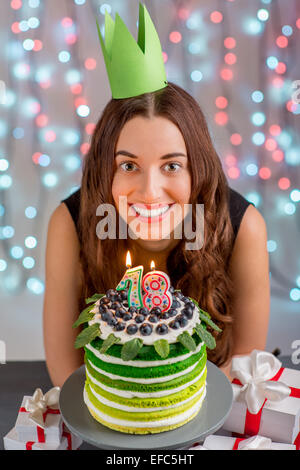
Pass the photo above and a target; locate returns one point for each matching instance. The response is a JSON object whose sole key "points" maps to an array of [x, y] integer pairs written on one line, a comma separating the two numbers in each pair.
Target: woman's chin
{"points": [[154, 244]]}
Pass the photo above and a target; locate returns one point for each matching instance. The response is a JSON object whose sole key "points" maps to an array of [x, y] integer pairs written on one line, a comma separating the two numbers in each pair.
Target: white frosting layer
{"points": [[163, 362], [171, 336], [132, 394], [165, 378], [134, 409], [145, 424]]}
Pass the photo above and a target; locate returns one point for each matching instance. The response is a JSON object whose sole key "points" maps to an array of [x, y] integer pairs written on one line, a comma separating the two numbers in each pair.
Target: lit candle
{"points": [[156, 286], [133, 277]]}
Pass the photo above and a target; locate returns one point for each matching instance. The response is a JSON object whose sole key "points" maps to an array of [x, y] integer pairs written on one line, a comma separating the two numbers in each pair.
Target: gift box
{"points": [[39, 419], [214, 442], [266, 399], [68, 442]]}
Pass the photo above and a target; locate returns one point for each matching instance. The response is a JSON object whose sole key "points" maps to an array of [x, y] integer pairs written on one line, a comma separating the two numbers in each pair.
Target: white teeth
{"points": [[150, 213]]}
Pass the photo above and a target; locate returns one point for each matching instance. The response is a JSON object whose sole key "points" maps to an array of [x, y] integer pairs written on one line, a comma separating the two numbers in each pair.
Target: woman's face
{"points": [[152, 172]]}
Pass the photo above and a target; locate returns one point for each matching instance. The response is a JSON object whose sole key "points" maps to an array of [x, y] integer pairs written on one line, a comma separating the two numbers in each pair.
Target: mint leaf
{"points": [[94, 298], [108, 342], [85, 316], [162, 347], [131, 349], [206, 317], [87, 335], [187, 341], [208, 321], [205, 336]]}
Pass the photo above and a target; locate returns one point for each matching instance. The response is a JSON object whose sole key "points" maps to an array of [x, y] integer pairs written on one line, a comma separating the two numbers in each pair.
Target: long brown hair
{"points": [[201, 274]]}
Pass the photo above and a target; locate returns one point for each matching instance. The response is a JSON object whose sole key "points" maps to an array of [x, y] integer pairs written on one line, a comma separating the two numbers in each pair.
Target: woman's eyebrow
{"points": [[164, 157]]}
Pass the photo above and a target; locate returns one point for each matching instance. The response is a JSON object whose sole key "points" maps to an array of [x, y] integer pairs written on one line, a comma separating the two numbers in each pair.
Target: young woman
{"points": [[155, 150]]}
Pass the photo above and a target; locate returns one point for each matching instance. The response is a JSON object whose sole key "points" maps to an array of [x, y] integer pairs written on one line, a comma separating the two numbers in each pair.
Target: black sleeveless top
{"points": [[237, 207]]}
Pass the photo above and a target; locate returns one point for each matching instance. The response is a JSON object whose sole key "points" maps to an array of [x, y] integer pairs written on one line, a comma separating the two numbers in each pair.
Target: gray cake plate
{"points": [[213, 413]]}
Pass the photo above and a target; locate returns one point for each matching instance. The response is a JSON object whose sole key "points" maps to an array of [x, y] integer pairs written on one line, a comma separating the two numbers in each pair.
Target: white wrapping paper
{"points": [[214, 442], [280, 417], [27, 429], [11, 442]]}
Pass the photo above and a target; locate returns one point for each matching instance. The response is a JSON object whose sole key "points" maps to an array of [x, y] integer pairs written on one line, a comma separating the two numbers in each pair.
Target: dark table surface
{"points": [[22, 378]]}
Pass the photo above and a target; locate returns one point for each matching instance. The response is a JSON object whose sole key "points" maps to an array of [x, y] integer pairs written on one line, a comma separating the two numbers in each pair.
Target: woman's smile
{"points": [[149, 213]]}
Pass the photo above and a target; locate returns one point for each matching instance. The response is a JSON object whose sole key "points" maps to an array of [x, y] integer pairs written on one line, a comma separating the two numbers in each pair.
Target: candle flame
{"points": [[152, 265], [128, 260]]}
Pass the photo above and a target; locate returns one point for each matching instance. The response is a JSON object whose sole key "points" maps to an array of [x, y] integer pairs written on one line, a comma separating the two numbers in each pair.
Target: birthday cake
{"points": [[145, 369]]}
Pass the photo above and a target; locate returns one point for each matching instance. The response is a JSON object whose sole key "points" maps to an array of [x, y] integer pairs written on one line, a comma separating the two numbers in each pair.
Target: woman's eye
{"points": [[172, 167], [128, 166]]}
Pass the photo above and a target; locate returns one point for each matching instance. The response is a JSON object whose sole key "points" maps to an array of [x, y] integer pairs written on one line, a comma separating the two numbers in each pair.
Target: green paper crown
{"points": [[133, 68]]}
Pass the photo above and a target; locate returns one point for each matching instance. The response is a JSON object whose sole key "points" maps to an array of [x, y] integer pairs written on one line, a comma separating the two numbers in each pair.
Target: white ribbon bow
{"points": [[255, 443], [254, 371], [38, 404]]}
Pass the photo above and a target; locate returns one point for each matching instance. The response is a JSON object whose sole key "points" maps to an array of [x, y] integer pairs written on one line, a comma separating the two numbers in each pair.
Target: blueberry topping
{"points": [[190, 304], [132, 309], [105, 316], [156, 310], [115, 305], [102, 308], [112, 294], [187, 312], [112, 321], [143, 311], [146, 329], [172, 312], [162, 329], [183, 321], [131, 329], [171, 289], [120, 312], [164, 316], [123, 294], [104, 300], [125, 304], [174, 324], [175, 304], [178, 294], [120, 326], [139, 318], [185, 299], [127, 316], [153, 318]]}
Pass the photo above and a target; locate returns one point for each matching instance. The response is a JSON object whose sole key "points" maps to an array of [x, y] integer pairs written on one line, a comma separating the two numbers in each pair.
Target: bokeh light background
{"points": [[239, 59]]}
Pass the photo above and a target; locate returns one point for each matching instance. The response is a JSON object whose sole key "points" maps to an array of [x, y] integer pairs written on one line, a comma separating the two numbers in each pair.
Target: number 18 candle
{"points": [[133, 277], [156, 286]]}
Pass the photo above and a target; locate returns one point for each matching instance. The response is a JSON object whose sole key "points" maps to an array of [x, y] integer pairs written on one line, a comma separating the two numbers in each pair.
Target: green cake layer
{"points": [[147, 353], [124, 370], [149, 387], [146, 416], [139, 430], [151, 402]]}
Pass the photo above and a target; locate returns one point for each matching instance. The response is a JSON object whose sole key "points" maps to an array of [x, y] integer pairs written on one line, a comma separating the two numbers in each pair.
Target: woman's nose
{"points": [[151, 186]]}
